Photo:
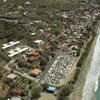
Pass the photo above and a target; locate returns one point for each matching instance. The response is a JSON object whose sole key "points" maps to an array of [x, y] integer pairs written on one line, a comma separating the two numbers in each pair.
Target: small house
{"points": [[33, 34], [39, 42], [15, 98], [12, 76], [35, 72], [18, 91]]}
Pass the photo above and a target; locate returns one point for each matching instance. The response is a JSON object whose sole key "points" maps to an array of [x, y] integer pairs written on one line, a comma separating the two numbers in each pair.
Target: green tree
{"points": [[1, 75], [98, 17], [22, 63], [2, 98], [44, 86], [65, 92], [43, 61], [56, 31], [36, 93]]}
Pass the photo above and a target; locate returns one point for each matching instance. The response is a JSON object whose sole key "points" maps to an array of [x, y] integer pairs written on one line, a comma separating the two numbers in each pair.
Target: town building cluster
{"points": [[51, 49]]}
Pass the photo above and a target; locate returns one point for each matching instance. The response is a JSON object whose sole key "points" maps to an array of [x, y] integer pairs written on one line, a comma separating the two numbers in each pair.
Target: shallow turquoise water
{"points": [[98, 91]]}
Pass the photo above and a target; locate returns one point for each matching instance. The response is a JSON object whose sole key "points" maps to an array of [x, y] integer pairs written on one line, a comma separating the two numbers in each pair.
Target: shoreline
{"points": [[96, 89], [83, 73], [95, 94]]}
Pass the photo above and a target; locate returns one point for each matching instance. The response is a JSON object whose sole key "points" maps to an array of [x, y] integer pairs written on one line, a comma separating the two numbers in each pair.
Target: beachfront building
{"points": [[51, 89]]}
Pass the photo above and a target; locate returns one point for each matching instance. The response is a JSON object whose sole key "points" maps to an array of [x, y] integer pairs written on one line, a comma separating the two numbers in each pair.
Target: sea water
{"points": [[97, 95], [91, 84]]}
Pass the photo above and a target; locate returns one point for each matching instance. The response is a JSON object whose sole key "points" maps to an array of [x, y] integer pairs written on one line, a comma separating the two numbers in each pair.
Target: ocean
{"points": [[92, 86], [97, 95]]}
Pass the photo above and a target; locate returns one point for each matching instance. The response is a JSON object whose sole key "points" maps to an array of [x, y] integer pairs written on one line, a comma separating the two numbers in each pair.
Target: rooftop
{"points": [[33, 34], [10, 44], [12, 76], [36, 71], [51, 88], [38, 41], [16, 98], [18, 50]]}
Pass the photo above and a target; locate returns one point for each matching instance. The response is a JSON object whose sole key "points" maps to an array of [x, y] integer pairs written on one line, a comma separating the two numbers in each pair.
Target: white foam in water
{"points": [[96, 83], [93, 74]]}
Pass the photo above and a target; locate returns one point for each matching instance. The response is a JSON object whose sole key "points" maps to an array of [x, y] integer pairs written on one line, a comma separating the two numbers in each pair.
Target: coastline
{"points": [[96, 89], [96, 94], [83, 74]]}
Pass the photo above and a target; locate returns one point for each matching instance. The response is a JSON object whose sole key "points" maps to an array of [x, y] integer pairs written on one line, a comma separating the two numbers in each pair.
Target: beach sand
{"points": [[47, 96]]}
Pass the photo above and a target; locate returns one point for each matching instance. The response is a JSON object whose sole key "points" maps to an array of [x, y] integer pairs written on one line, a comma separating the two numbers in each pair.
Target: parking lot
{"points": [[59, 69]]}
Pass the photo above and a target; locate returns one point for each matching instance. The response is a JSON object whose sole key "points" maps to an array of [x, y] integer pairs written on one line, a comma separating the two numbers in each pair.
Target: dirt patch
{"points": [[3, 90], [47, 96]]}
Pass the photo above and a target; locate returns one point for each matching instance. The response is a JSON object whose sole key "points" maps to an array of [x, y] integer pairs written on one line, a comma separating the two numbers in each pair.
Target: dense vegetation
{"points": [[65, 92], [36, 93], [11, 31], [86, 51]]}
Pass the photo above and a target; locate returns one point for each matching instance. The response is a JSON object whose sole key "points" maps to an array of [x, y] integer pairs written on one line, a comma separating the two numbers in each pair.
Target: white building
{"points": [[10, 44], [39, 42], [17, 51], [12, 76]]}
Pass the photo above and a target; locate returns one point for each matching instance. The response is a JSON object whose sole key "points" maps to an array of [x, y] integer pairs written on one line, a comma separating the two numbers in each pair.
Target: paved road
{"points": [[17, 72], [30, 77]]}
